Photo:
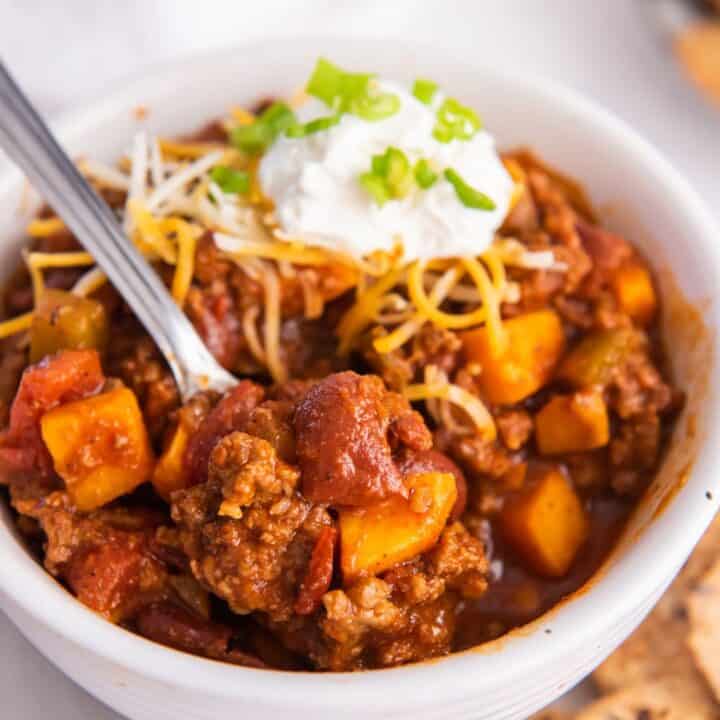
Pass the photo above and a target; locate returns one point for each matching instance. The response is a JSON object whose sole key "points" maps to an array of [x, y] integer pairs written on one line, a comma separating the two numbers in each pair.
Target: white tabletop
{"points": [[608, 49]]}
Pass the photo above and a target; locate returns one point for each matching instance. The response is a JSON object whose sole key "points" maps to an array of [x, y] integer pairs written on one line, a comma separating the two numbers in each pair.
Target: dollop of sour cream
{"points": [[314, 184]]}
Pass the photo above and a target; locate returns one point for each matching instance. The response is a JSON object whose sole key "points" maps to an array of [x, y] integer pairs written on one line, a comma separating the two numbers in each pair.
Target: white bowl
{"points": [[640, 195]]}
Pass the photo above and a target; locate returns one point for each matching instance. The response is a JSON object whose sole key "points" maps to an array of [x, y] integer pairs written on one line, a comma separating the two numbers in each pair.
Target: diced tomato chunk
{"points": [[65, 377], [319, 573], [106, 576]]}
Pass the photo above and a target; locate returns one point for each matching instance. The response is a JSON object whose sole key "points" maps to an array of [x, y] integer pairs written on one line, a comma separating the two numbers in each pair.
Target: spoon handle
{"points": [[28, 141]]}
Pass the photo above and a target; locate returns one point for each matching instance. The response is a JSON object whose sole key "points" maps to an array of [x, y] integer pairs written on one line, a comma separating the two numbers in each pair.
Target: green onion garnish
{"points": [[376, 187], [229, 180], [278, 116], [455, 122], [331, 84], [424, 90], [398, 174], [468, 195], [310, 128], [390, 176], [375, 106], [425, 176], [347, 92], [257, 137], [251, 139]]}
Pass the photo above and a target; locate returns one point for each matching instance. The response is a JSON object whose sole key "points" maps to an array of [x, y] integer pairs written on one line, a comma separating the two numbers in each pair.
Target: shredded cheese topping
{"points": [[172, 200], [437, 386], [16, 325], [42, 228]]}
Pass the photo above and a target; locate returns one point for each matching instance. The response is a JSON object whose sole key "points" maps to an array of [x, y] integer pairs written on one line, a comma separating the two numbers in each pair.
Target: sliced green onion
{"points": [[279, 117], [390, 176], [393, 167], [312, 127], [330, 83], [229, 180], [468, 195], [398, 174], [350, 92], [375, 107], [251, 139], [379, 164], [424, 90], [375, 187], [425, 176], [455, 122], [257, 137]]}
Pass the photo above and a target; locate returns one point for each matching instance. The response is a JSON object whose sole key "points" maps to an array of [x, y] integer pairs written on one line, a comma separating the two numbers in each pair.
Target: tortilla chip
{"points": [[698, 49], [703, 605], [658, 649], [668, 699], [655, 650]]}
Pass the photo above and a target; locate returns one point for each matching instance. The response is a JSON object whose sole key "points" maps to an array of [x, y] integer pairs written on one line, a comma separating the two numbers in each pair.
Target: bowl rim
{"points": [[548, 639]]}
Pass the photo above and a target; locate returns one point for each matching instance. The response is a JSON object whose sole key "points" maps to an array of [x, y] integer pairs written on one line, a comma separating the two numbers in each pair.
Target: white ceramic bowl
{"points": [[641, 196]]}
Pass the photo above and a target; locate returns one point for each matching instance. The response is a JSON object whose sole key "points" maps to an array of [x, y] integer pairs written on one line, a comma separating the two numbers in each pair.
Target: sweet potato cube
{"points": [[535, 343], [63, 321], [546, 522], [99, 447], [572, 423], [171, 471], [374, 538], [634, 292]]}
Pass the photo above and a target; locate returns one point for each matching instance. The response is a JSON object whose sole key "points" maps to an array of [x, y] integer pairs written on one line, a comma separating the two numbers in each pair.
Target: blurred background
{"points": [[654, 63]]}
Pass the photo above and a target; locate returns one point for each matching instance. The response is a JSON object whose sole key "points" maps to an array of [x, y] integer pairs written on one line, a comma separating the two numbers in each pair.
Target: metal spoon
{"points": [[28, 141]]}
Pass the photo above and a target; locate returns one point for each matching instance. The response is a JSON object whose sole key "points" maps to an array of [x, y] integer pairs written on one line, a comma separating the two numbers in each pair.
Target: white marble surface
{"points": [[65, 51]]}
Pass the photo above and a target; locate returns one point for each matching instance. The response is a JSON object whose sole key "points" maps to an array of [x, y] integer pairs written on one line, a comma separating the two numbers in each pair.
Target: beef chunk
{"points": [[248, 532]]}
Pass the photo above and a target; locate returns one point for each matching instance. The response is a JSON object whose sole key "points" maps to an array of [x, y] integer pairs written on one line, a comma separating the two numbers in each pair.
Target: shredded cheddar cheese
{"points": [[249, 325], [436, 386], [90, 282], [291, 252], [491, 302], [242, 116], [171, 199], [63, 259], [45, 227], [520, 178], [402, 334], [363, 311], [172, 149], [271, 333], [16, 325], [186, 239], [451, 321]]}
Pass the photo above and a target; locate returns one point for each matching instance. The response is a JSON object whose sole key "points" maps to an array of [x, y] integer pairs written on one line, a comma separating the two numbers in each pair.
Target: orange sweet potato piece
{"points": [[535, 343], [171, 471], [634, 292], [374, 538], [572, 423], [99, 447], [546, 522]]}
